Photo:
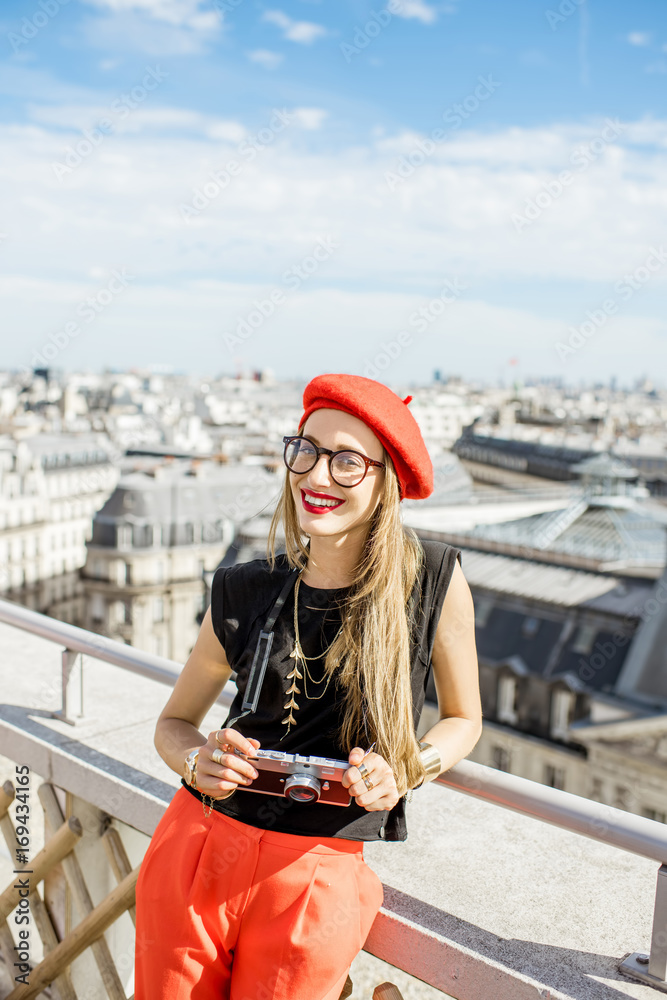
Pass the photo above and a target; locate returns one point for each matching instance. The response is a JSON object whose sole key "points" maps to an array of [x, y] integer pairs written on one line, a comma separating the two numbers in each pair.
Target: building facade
{"points": [[50, 487], [154, 546]]}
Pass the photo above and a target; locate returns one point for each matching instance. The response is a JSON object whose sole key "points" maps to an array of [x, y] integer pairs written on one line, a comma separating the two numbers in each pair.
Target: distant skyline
{"points": [[392, 378], [385, 189]]}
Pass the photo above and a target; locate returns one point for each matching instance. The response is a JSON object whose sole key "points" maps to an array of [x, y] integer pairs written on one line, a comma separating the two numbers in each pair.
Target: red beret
{"points": [[388, 417]]}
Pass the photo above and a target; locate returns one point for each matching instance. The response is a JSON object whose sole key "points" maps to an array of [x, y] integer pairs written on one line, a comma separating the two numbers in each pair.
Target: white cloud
{"points": [[304, 32], [164, 119], [454, 211], [226, 131], [451, 217], [639, 38], [155, 27], [265, 58], [309, 118], [131, 32], [419, 10], [179, 13]]}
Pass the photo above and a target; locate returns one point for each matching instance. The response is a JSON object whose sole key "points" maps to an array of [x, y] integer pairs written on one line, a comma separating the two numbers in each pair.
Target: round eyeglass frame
{"points": [[331, 455]]}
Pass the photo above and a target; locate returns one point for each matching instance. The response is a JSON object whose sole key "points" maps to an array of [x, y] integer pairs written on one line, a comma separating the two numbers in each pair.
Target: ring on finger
{"points": [[365, 774], [217, 755], [226, 747]]}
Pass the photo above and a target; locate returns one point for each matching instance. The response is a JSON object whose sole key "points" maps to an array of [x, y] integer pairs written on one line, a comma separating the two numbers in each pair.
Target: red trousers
{"points": [[229, 911]]}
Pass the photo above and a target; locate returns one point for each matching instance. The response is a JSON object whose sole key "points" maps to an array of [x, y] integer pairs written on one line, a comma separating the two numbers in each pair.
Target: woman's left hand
{"points": [[383, 794]]}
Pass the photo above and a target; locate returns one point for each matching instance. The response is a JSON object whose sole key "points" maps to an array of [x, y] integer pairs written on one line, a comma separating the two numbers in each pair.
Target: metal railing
{"points": [[588, 818], [80, 641], [616, 827]]}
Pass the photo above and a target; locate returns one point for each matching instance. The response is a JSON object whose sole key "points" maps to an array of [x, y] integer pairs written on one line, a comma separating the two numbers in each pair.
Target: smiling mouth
{"points": [[319, 504]]}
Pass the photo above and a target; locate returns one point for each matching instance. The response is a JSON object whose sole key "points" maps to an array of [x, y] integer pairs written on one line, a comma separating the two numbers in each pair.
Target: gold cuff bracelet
{"points": [[431, 760]]}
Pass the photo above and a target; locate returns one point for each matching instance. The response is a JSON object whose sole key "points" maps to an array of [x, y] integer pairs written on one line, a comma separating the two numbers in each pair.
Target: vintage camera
{"points": [[303, 779]]}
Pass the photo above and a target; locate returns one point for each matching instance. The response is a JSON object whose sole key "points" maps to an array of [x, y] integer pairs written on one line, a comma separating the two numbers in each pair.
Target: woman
{"points": [[253, 896]]}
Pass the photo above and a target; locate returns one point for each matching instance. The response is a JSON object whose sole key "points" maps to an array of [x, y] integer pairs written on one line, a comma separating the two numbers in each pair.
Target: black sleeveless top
{"points": [[241, 597]]}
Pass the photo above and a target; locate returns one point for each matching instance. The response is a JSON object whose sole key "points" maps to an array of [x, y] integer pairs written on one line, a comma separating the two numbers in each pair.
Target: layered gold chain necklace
{"points": [[296, 674]]}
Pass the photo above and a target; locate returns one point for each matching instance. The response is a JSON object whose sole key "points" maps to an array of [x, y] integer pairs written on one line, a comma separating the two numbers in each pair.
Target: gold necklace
{"points": [[295, 674]]}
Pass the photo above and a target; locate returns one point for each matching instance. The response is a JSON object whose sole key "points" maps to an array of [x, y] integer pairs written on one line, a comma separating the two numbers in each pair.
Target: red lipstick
{"points": [[316, 508]]}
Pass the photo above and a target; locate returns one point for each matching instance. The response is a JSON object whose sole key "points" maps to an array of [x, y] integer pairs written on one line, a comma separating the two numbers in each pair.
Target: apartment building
{"points": [[51, 484], [154, 545]]}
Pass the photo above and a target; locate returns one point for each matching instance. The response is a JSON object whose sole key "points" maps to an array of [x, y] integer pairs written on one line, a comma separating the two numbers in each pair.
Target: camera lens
{"points": [[302, 788]]}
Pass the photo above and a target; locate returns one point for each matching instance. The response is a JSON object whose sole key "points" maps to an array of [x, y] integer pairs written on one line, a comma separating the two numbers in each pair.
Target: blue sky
{"points": [[386, 188]]}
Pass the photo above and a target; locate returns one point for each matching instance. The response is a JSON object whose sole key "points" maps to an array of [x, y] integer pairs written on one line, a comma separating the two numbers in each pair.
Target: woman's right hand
{"points": [[220, 780]]}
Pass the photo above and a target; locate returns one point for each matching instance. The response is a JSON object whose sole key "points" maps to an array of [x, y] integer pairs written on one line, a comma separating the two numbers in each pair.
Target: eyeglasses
{"points": [[347, 468]]}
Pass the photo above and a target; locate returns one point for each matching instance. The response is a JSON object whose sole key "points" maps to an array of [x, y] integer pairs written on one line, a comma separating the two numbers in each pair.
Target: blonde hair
{"points": [[374, 644]]}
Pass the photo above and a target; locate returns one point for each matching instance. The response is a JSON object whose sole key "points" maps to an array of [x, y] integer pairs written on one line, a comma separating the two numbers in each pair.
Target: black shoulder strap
{"points": [[263, 648]]}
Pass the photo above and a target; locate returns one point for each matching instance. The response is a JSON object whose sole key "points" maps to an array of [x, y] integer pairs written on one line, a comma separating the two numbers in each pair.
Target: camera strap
{"points": [[262, 649]]}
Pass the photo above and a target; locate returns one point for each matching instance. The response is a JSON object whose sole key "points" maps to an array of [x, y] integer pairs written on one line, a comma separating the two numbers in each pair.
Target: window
{"points": [[119, 612], [142, 536], [583, 640], [530, 627], [483, 608], [655, 814], [500, 758], [158, 610], [554, 776], [621, 797], [127, 612], [596, 790], [561, 706], [507, 689], [104, 534], [124, 536], [159, 571], [97, 607]]}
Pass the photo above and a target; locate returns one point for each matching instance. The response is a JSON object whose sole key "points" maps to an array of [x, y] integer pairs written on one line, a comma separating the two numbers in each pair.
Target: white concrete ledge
{"points": [[480, 902], [514, 899], [452, 968]]}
